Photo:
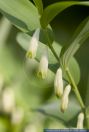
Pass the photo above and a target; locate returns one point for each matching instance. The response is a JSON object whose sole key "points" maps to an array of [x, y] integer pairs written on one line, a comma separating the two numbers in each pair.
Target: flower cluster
{"points": [[64, 95], [60, 92], [32, 51], [9, 106]]}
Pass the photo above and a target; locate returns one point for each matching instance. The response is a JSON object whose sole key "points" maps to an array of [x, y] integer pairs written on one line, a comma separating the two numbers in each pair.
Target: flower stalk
{"points": [[75, 88]]}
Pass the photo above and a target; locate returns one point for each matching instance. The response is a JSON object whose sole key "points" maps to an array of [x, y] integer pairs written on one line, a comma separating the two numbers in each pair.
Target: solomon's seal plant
{"points": [[51, 68]]}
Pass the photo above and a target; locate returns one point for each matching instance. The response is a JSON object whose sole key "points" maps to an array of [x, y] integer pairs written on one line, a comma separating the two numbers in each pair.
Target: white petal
{"points": [[33, 45], [80, 121], [58, 83], [8, 100], [43, 65], [65, 98]]}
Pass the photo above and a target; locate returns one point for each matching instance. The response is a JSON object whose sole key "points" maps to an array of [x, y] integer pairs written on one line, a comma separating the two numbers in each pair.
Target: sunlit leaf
{"points": [[20, 13]]}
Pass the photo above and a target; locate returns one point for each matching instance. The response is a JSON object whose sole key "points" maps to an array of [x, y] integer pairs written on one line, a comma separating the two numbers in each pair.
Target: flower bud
{"points": [[58, 83], [8, 100], [65, 98], [17, 116], [33, 45], [80, 121], [43, 65]]}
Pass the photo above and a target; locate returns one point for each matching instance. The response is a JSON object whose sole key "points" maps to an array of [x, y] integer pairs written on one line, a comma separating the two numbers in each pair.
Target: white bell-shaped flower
{"points": [[33, 45], [80, 121], [8, 100], [58, 83], [65, 98], [43, 65]]}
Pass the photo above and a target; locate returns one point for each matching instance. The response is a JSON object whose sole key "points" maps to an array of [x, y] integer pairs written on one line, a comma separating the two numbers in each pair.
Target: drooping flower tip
{"points": [[65, 98], [31, 53], [41, 75], [80, 121], [43, 65], [58, 83]]}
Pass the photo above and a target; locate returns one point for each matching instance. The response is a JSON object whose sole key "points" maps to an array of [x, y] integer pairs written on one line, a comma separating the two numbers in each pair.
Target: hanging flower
{"points": [[80, 121], [65, 98], [31, 53], [58, 83], [43, 65], [8, 100]]}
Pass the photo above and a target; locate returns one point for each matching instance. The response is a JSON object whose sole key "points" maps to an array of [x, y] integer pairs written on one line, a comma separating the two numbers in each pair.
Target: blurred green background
{"points": [[33, 93]]}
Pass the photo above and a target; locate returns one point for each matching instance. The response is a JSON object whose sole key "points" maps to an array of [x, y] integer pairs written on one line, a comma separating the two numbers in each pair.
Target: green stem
{"points": [[51, 47], [75, 89], [53, 51]]}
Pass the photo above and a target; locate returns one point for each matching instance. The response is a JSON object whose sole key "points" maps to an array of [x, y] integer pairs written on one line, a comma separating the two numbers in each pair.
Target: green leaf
{"points": [[53, 110], [24, 39], [10, 68], [52, 10], [28, 86], [81, 34], [74, 68], [39, 5], [20, 13]]}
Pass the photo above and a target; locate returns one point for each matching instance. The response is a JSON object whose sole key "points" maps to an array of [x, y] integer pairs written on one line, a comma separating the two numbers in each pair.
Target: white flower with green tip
{"points": [[65, 98], [33, 45], [43, 65], [58, 83]]}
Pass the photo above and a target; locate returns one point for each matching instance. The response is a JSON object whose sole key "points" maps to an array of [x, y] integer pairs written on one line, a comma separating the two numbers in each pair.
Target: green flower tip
{"points": [[29, 55], [41, 75], [62, 110], [58, 96]]}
